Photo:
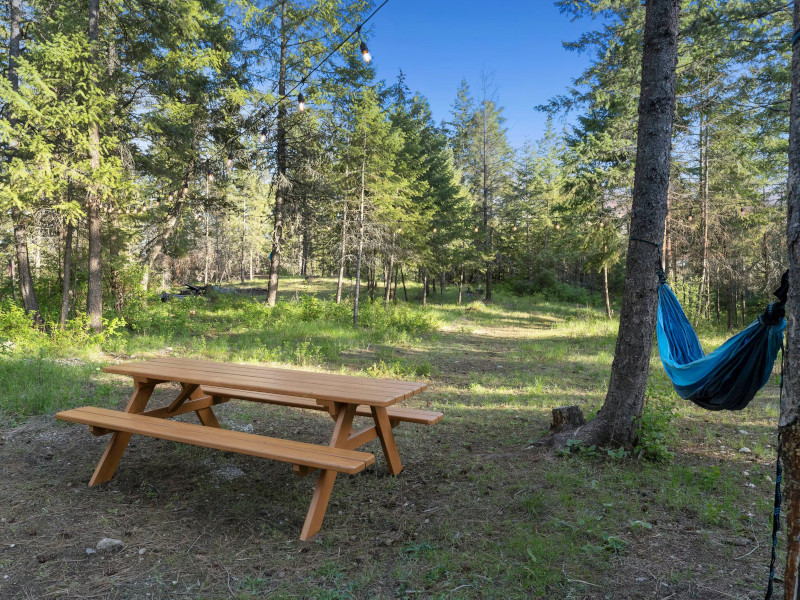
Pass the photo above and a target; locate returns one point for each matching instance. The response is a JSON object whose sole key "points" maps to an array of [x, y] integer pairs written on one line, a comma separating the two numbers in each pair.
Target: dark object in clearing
{"points": [[571, 416], [193, 290]]}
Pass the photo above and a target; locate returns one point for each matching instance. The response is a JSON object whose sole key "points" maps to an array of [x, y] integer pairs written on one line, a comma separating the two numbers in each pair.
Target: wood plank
{"points": [[329, 381], [386, 436], [343, 388], [209, 431], [292, 373], [320, 457], [116, 446], [204, 377], [396, 413]]}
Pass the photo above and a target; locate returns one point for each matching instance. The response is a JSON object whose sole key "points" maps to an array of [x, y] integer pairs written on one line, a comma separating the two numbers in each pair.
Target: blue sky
{"points": [[520, 42]]}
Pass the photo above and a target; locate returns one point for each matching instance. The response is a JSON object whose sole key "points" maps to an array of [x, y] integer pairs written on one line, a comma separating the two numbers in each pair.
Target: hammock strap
{"points": [[776, 514]]}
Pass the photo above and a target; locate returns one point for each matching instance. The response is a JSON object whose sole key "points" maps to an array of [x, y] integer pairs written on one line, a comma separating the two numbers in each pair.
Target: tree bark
{"points": [[615, 424], [29, 300], [280, 155], [789, 423], [65, 287], [605, 292], [360, 233], [94, 292], [343, 252]]}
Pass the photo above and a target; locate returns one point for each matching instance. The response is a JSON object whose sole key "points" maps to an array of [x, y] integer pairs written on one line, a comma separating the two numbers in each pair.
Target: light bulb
{"points": [[514, 228], [229, 162], [558, 225], [691, 217], [263, 137], [435, 230], [602, 224], [399, 230], [171, 196], [365, 53], [185, 188], [476, 229], [301, 102], [210, 177]]}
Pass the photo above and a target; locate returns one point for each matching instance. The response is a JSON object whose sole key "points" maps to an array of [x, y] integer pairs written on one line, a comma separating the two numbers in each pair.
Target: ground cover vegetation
{"points": [[479, 511], [146, 147]]}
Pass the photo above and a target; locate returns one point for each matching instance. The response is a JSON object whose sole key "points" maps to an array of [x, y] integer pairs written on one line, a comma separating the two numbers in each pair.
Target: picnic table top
{"points": [[306, 384]]}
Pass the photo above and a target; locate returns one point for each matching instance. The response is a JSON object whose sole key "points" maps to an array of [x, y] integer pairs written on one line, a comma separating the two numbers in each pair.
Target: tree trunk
{"points": [[158, 243], [65, 288], [487, 236], [360, 233], [343, 252], [280, 156], [94, 292], [616, 421], [403, 281], [387, 292], [605, 291], [702, 306], [424, 287], [460, 285], [29, 301]]}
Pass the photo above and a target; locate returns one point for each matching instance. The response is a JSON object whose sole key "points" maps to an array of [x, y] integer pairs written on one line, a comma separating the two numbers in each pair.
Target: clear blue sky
{"points": [[519, 41]]}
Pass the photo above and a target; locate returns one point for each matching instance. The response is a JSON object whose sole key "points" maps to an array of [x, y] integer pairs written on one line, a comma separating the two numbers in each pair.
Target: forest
{"points": [[168, 147], [224, 197]]}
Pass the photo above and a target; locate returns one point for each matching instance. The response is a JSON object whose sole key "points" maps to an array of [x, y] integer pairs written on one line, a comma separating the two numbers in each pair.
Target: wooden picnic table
{"points": [[205, 384]]}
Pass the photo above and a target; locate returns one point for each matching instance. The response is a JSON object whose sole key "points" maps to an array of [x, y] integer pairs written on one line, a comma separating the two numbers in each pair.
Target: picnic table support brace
{"points": [[119, 440], [322, 491], [386, 436]]}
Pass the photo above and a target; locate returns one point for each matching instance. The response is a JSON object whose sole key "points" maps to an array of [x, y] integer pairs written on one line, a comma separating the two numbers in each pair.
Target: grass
{"points": [[476, 513]]}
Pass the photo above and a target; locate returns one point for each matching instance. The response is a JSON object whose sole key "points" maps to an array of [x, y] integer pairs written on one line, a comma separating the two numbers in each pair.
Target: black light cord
{"points": [[269, 109]]}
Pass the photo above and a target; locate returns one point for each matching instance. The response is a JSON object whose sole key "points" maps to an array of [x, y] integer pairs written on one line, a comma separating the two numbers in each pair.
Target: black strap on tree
{"points": [[776, 514], [776, 310]]}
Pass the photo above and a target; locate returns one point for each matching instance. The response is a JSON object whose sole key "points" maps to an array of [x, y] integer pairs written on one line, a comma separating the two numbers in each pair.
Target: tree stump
{"points": [[567, 416]]}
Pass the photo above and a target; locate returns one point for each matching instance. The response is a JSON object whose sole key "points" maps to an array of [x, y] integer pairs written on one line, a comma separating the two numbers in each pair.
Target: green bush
{"points": [[656, 431]]}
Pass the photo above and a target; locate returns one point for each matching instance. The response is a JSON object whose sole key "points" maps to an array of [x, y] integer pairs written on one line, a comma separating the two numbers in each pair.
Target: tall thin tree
{"points": [[616, 421]]}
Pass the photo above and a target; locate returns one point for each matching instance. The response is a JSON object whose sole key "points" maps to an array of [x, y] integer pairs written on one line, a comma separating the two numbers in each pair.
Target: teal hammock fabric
{"points": [[729, 377]]}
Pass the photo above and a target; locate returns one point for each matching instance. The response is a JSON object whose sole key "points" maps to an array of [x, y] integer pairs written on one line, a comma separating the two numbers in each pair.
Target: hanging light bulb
{"points": [[691, 217], [171, 196], [435, 230], [514, 228], [210, 176], [263, 137], [602, 224], [301, 102], [185, 187], [365, 53], [558, 225], [476, 229], [399, 230], [229, 162]]}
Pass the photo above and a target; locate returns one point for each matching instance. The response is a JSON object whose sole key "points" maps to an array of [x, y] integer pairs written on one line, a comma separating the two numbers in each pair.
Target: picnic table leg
{"points": [[119, 440], [206, 415], [386, 436], [322, 492]]}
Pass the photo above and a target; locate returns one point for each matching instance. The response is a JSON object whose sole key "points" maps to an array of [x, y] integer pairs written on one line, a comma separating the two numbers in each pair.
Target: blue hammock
{"points": [[729, 377]]}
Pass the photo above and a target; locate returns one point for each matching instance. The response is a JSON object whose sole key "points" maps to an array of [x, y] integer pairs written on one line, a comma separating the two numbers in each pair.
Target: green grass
{"points": [[476, 513]]}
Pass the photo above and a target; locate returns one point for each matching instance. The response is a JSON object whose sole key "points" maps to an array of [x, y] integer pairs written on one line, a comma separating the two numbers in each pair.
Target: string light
{"points": [[366, 56], [365, 53]]}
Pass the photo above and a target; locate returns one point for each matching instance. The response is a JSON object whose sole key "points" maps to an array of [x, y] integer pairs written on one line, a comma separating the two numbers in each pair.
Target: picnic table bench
{"points": [[205, 384]]}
